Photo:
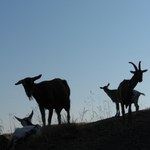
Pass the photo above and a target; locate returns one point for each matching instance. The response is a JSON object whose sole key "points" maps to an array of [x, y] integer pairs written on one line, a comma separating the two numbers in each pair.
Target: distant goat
{"points": [[125, 88], [113, 96], [52, 94], [24, 132]]}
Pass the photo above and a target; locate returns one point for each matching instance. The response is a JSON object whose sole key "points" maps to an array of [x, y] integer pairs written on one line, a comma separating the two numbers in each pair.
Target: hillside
{"points": [[106, 134]]}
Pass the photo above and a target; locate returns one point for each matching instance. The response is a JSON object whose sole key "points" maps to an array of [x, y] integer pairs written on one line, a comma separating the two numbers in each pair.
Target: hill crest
{"points": [[105, 134]]}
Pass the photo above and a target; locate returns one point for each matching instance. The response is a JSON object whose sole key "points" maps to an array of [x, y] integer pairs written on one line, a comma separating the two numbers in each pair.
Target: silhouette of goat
{"points": [[113, 96], [52, 94], [125, 88], [112, 93]]}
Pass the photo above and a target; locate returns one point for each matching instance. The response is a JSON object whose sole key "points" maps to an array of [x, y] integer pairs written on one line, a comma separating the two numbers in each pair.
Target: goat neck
{"points": [[134, 81]]}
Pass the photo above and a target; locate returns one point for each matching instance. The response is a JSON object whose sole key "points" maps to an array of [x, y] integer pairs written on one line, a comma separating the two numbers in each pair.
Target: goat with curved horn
{"points": [[126, 86], [52, 94]]}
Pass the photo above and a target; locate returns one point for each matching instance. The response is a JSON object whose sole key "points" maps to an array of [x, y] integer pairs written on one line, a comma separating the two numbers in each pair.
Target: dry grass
{"points": [[106, 134]]}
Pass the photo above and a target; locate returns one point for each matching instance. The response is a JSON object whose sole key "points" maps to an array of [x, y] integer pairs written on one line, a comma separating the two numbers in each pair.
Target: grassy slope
{"points": [[107, 134]]}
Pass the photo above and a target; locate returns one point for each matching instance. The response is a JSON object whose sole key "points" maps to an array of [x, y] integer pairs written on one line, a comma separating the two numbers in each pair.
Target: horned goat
{"points": [[124, 91], [52, 94], [112, 93], [24, 132]]}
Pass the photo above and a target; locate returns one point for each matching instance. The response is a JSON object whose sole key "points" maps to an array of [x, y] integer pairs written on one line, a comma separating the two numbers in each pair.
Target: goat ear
{"points": [[37, 77], [139, 65], [101, 87], [19, 82], [132, 72], [18, 119], [145, 70], [30, 116]]}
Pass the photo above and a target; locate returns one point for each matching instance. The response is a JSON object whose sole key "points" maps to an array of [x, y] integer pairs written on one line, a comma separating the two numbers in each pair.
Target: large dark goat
{"points": [[52, 94], [126, 86]]}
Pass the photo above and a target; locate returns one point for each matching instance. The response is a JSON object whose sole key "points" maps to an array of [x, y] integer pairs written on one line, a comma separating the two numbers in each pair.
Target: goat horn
{"points": [[30, 116], [135, 67], [139, 65], [18, 118]]}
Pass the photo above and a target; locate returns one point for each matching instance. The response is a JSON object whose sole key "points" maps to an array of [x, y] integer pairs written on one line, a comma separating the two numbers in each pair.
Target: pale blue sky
{"points": [[87, 42]]}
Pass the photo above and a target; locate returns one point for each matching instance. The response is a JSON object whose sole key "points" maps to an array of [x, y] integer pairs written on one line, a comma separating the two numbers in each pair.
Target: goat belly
{"points": [[127, 101]]}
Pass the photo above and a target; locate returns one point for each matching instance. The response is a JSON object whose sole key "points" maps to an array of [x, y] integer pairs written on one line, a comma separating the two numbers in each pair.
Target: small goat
{"points": [[24, 132], [113, 96], [53, 94], [126, 87]]}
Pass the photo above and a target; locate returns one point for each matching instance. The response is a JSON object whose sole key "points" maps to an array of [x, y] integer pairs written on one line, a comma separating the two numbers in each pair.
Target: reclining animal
{"points": [[24, 132]]}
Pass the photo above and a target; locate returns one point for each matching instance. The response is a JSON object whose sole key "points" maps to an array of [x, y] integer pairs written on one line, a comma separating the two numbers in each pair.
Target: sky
{"points": [[87, 42]]}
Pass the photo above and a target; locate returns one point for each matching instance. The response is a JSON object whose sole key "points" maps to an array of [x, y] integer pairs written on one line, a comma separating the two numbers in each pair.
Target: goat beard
{"points": [[31, 98], [29, 94]]}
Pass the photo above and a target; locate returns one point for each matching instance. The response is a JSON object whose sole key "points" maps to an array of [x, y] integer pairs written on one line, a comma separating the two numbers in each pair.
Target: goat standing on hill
{"points": [[113, 96], [125, 88], [52, 94]]}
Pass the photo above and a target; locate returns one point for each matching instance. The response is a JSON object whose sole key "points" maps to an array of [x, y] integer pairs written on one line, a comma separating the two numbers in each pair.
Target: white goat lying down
{"points": [[27, 130], [112, 93]]}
